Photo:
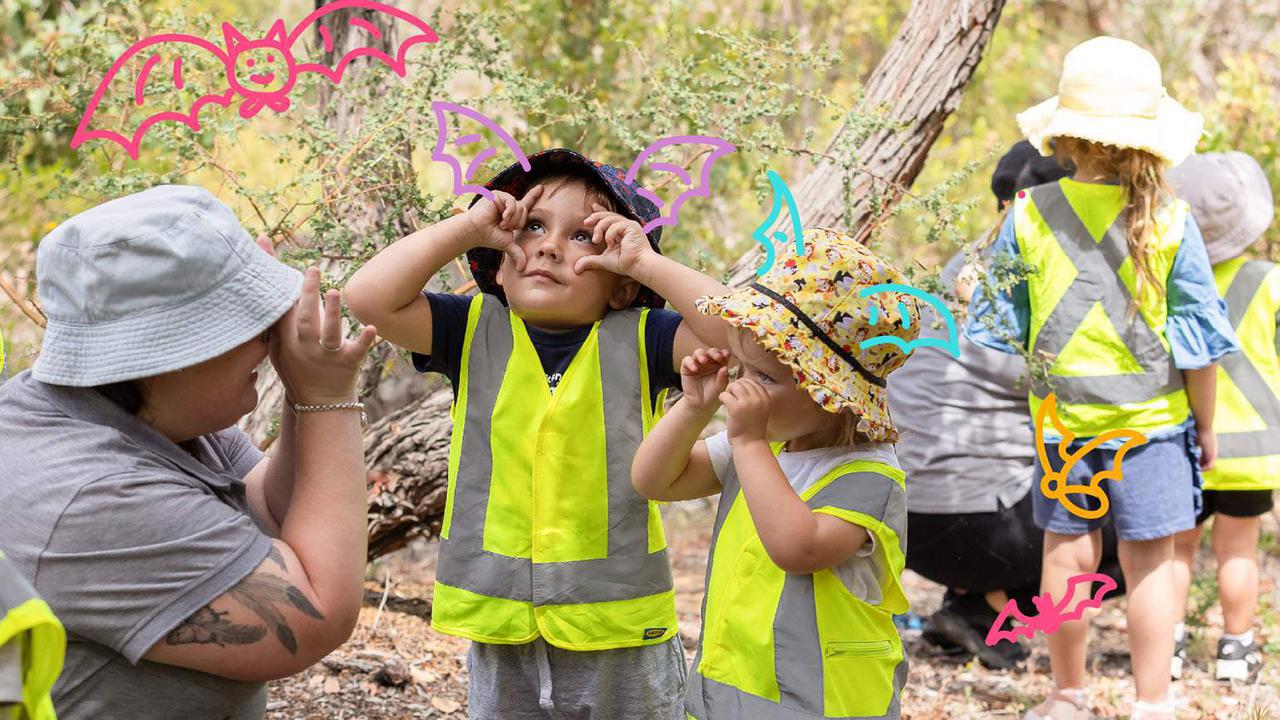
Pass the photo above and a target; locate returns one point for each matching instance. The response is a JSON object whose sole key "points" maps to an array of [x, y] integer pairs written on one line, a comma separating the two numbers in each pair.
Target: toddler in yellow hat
{"points": [[809, 544]]}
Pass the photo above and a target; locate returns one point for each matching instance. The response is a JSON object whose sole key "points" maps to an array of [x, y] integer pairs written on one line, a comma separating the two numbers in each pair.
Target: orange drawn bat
{"points": [[1054, 483]]}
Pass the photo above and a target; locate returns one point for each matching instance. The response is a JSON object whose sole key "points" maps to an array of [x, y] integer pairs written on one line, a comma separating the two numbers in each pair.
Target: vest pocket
{"points": [[864, 649]]}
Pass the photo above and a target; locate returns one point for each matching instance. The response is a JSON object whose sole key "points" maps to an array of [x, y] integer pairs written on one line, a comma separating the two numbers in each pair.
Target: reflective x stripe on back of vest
{"points": [[1097, 281], [624, 573], [1246, 377], [797, 656]]}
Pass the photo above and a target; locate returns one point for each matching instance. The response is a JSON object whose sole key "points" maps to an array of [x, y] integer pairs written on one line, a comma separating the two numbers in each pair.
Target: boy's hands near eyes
{"points": [[498, 223], [747, 403], [703, 376], [623, 239]]}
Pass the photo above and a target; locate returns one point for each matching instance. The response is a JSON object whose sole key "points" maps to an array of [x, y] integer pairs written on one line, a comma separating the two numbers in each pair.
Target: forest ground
{"points": [[395, 666]]}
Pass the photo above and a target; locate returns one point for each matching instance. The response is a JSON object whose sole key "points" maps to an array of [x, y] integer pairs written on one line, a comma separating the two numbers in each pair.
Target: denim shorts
{"points": [[1158, 494]]}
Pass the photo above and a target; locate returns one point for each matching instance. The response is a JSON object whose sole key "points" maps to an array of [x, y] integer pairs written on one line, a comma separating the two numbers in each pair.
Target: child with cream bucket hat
{"points": [[1121, 301]]}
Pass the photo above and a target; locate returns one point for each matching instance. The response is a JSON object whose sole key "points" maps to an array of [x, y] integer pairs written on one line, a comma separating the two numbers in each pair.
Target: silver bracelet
{"points": [[351, 405]]}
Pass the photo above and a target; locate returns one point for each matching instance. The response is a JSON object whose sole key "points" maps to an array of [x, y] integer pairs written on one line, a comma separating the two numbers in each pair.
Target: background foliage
{"points": [[774, 77]]}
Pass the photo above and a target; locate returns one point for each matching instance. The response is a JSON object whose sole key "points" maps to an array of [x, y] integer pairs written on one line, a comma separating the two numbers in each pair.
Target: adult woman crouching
{"points": [[188, 568]]}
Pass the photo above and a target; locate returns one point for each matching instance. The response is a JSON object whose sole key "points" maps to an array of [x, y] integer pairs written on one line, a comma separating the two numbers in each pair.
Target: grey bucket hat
{"points": [[153, 282], [1230, 200]]}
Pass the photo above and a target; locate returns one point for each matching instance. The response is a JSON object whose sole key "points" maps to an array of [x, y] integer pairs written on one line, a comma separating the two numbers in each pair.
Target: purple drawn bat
{"points": [[442, 152], [669, 213]]}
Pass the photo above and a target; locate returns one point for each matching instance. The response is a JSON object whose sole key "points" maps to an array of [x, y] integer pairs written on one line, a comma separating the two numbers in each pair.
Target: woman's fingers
{"points": [[331, 330], [365, 340], [307, 313], [267, 246]]}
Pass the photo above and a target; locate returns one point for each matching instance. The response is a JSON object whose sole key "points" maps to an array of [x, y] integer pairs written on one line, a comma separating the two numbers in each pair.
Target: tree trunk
{"points": [[343, 107], [919, 82]]}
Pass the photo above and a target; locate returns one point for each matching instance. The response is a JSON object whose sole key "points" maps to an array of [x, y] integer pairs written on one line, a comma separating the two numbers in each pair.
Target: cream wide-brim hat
{"points": [[1111, 93]]}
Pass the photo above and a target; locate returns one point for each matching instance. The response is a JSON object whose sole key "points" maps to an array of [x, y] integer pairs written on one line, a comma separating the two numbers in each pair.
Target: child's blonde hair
{"points": [[847, 432], [1141, 174]]}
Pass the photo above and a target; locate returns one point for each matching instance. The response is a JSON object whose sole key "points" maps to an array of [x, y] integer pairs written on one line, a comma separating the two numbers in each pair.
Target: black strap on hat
{"points": [[818, 333]]}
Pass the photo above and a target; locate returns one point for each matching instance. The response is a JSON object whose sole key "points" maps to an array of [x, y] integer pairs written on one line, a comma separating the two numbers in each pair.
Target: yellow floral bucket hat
{"points": [[816, 310]]}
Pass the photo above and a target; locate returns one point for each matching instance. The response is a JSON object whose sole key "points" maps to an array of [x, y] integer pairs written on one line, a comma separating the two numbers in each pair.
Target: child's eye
{"points": [[582, 236], [535, 226], [764, 378]]}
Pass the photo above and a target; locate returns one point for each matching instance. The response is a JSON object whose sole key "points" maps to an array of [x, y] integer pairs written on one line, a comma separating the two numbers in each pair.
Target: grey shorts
{"points": [[537, 681], [1158, 495]]}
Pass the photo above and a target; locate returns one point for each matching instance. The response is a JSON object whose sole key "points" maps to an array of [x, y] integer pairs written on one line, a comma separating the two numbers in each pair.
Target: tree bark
{"points": [[918, 83], [343, 107]]}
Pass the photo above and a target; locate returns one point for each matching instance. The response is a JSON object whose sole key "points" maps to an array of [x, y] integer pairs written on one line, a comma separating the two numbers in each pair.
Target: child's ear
{"points": [[624, 294]]}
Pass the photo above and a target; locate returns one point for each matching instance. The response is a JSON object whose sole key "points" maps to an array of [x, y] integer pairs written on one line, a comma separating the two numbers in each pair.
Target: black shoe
{"points": [[947, 627], [1237, 661]]}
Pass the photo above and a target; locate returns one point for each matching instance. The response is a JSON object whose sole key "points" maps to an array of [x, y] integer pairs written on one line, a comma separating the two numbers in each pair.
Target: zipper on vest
{"points": [[868, 648]]}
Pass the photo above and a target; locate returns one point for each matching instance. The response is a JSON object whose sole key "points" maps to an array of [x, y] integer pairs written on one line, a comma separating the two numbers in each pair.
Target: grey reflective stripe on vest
{"points": [[870, 494], [1096, 263], [625, 573], [797, 644], [1254, 388], [733, 704]]}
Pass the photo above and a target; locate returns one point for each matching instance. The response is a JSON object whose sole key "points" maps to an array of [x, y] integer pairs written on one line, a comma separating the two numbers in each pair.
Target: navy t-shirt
{"points": [[555, 349]]}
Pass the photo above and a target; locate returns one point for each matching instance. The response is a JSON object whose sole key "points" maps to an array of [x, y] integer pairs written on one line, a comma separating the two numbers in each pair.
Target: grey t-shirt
{"points": [[125, 535], [964, 425]]}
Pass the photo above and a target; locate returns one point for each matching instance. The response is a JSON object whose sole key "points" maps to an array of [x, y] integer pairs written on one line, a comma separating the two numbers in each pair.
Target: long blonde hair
{"points": [[1141, 174]]}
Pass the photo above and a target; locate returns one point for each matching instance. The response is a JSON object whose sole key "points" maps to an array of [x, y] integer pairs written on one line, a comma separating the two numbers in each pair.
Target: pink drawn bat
{"points": [[669, 213], [447, 149], [442, 152], [1049, 615], [261, 72]]}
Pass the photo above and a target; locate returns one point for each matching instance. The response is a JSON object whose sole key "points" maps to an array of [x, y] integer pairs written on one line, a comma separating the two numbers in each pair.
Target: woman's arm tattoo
{"points": [[260, 592]]}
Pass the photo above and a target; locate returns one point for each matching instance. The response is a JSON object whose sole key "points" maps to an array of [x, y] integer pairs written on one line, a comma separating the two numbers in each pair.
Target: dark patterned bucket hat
{"points": [[516, 180]]}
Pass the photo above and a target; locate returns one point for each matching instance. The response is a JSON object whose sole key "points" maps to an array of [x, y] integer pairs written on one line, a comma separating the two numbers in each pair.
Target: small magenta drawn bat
{"points": [[1049, 615], [260, 72]]}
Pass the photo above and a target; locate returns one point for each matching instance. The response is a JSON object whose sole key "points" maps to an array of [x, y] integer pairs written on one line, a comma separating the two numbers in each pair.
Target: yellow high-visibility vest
{"points": [[780, 646], [1247, 415], [1108, 370], [544, 534], [27, 620]]}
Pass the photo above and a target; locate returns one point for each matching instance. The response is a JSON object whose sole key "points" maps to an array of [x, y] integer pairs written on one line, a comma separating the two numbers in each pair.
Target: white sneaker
{"points": [[1237, 661], [1179, 658]]}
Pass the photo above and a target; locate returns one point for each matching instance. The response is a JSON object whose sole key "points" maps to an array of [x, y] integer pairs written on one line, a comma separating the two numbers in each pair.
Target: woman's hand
{"points": [[703, 376], [747, 402], [315, 363], [498, 223], [624, 243]]}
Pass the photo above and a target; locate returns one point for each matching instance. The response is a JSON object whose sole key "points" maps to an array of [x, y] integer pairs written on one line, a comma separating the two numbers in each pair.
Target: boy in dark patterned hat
{"points": [[549, 560]]}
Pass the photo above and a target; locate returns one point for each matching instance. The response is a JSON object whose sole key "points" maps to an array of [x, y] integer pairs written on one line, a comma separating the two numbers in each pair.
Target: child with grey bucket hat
{"points": [[1233, 204], [159, 531]]}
